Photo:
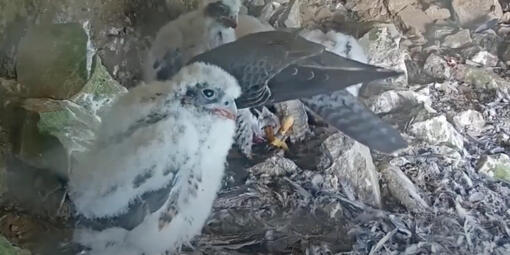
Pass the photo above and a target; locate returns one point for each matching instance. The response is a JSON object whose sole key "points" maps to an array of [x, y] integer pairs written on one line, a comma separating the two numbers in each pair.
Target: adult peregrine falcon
{"points": [[275, 66]]}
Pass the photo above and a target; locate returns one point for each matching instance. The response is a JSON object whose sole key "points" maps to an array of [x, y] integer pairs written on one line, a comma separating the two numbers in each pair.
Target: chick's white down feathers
{"points": [[340, 44], [98, 172], [189, 35], [151, 136]]}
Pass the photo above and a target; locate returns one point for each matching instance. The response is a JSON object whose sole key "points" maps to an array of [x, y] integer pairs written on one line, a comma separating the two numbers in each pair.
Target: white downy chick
{"points": [[193, 33], [149, 183], [340, 44]]}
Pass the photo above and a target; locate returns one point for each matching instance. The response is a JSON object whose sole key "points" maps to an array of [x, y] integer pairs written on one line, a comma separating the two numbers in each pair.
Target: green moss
{"points": [[502, 171], [100, 87], [7, 249], [71, 124]]}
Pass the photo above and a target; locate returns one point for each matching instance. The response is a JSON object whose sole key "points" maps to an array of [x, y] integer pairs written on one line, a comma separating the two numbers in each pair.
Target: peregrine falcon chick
{"points": [[149, 183], [341, 44], [191, 34]]}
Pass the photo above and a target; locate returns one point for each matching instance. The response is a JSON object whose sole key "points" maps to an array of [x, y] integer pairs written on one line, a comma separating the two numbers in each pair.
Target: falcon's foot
{"points": [[279, 139]]}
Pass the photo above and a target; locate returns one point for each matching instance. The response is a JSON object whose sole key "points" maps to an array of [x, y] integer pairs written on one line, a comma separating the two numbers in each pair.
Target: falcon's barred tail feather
{"points": [[346, 113]]}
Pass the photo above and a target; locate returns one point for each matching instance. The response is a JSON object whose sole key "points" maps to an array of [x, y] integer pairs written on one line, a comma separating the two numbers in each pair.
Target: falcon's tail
{"points": [[343, 111]]}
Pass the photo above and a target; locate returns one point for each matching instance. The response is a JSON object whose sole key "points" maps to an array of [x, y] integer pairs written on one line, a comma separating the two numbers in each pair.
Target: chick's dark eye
{"points": [[209, 93]]}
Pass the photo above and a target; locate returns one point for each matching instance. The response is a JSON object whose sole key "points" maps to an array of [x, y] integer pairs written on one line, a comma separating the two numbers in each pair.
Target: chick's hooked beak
{"points": [[228, 110], [230, 21]]}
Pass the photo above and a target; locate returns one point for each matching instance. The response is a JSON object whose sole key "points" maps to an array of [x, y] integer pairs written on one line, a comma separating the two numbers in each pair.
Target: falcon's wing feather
{"points": [[343, 111], [256, 58], [321, 74]]}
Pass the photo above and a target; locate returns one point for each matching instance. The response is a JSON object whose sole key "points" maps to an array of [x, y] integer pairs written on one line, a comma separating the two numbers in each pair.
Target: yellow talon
{"points": [[279, 140], [280, 144], [286, 125]]}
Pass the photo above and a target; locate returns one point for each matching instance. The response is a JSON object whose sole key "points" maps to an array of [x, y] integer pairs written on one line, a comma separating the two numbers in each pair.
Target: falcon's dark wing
{"points": [[322, 74], [256, 58], [275, 66], [345, 112]]}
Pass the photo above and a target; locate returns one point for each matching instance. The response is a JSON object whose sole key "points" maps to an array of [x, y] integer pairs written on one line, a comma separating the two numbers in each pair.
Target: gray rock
{"points": [[282, 14], [9, 88], [485, 58], [351, 163], [437, 13], [458, 40], [469, 52], [402, 188], [51, 61], [382, 46], [437, 67], [482, 78], [9, 12], [438, 32], [506, 17], [505, 5], [401, 108], [315, 15], [488, 40], [269, 10], [438, 131], [470, 121], [497, 166], [396, 6], [470, 11], [293, 18], [275, 166], [369, 10], [414, 18], [393, 100], [505, 55]]}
